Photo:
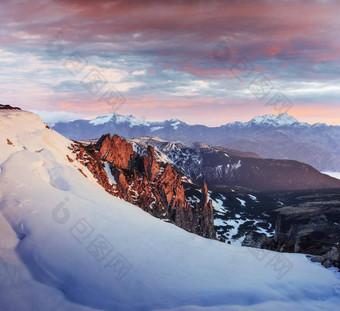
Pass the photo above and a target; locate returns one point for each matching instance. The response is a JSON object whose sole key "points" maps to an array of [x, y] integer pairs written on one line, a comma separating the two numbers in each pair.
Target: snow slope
{"points": [[66, 244], [333, 174]]}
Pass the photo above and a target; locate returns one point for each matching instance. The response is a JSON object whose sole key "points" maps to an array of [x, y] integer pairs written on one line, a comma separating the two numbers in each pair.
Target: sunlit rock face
{"points": [[139, 179]]}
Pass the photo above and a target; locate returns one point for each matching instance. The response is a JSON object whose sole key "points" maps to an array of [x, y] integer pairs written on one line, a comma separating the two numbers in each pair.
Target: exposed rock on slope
{"points": [[139, 179], [309, 223], [9, 107], [331, 259], [115, 151]]}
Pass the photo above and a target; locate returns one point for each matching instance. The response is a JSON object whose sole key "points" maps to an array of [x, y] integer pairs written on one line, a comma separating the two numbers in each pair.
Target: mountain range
{"points": [[270, 136]]}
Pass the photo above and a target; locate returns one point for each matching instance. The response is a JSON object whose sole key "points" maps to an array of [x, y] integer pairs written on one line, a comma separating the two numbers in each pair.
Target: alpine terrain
{"points": [[71, 241]]}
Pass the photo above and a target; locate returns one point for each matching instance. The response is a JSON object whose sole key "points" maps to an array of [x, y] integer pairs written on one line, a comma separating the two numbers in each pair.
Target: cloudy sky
{"points": [[208, 62]]}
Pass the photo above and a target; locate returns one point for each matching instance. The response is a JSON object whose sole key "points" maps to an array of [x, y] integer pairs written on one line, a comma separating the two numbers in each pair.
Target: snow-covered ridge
{"points": [[275, 120], [133, 122], [280, 120], [101, 119], [283, 119], [118, 119]]}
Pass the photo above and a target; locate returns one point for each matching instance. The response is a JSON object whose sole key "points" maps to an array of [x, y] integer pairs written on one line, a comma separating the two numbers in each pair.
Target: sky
{"points": [[203, 62]]}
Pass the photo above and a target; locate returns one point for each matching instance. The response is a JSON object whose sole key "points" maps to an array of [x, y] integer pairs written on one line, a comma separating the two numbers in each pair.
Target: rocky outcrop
{"points": [[254, 239], [310, 225], [330, 259], [139, 179], [9, 107], [205, 210], [114, 150]]}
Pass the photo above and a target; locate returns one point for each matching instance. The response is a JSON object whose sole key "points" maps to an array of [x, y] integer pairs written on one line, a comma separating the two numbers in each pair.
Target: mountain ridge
{"points": [[220, 166], [282, 119], [270, 136]]}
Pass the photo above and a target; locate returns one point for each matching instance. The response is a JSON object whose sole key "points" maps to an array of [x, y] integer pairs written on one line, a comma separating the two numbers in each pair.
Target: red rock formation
{"points": [[152, 167], [114, 150], [155, 187], [205, 211]]}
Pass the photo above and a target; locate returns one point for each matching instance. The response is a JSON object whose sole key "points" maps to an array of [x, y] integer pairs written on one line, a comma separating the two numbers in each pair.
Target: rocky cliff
{"points": [[309, 223], [139, 179]]}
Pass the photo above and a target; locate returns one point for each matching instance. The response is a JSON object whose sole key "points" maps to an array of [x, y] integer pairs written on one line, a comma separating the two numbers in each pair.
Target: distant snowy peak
{"points": [[134, 122], [175, 123], [269, 120], [117, 118], [283, 119], [102, 119], [131, 120]]}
